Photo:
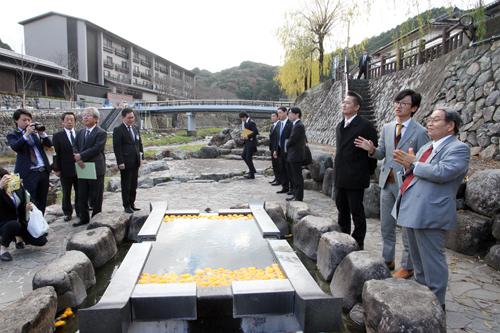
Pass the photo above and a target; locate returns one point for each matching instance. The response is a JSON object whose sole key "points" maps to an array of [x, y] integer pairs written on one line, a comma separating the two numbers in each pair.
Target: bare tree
{"points": [[25, 72], [69, 61]]}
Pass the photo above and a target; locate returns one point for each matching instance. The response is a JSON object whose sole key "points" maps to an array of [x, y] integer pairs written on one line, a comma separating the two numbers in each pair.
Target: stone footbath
{"points": [[236, 276]]}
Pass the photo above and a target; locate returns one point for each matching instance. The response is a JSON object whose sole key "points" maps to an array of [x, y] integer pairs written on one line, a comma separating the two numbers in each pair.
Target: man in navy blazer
{"points": [[402, 134], [32, 163], [426, 205], [89, 147], [64, 162], [274, 132], [285, 128], [251, 143], [127, 145], [296, 146]]}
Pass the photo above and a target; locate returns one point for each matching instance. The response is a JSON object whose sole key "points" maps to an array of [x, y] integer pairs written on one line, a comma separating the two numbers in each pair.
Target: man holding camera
{"points": [[28, 141]]}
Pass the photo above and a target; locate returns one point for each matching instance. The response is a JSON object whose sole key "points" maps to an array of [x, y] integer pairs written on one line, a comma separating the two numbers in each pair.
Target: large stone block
{"points": [[275, 212], [333, 247], [209, 152], [399, 305], [493, 257], [320, 162], [98, 244], [116, 221], [328, 182], [70, 275], [136, 223], [311, 184], [352, 273], [308, 231], [371, 201], [114, 184], [482, 194], [35, 312], [296, 210], [472, 233], [153, 167], [495, 227]]}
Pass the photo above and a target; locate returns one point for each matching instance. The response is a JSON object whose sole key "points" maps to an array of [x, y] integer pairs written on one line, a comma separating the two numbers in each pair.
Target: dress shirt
{"points": [[405, 126], [348, 121], [131, 130], [68, 134], [435, 145], [35, 149]]}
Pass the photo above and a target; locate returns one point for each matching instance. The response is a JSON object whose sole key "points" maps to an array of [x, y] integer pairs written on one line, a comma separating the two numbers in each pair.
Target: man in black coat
{"points": [[64, 163], [274, 132], [89, 147], [296, 146], [363, 64], [281, 153], [251, 143], [353, 167], [127, 145]]}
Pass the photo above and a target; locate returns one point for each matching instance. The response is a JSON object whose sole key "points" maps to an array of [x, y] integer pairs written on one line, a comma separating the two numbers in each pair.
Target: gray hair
{"points": [[452, 115], [95, 112]]}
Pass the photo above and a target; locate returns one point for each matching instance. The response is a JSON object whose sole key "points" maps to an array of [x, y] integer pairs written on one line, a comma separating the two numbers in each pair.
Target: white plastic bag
{"points": [[37, 226]]}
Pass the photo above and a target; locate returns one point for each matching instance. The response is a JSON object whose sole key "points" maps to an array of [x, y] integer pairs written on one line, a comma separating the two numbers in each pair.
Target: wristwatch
{"points": [[412, 166]]}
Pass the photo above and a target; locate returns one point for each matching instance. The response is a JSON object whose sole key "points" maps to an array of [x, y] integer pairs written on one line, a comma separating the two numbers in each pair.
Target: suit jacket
{"points": [[368, 59], [352, 164], [274, 133], [415, 137], [21, 147], [92, 148], [296, 144], [285, 135], [63, 159], [127, 151], [429, 201], [8, 208], [250, 124]]}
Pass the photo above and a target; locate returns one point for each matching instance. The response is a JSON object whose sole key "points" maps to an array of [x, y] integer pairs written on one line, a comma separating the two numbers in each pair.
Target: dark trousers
{"points": [[350, 202], [298, 180], [276, 167], [247, 155], [10, 229], [37, 184], [86, 187], [286, 178], [362, 71], [66, 184], [129, 185]]}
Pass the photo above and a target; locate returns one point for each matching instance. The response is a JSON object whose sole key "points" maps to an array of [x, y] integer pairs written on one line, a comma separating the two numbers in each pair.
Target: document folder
{"points": [[88, 172]]}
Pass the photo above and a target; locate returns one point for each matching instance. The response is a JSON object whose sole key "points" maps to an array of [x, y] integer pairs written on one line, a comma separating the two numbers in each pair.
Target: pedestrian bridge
{"points": [[255, 109]]}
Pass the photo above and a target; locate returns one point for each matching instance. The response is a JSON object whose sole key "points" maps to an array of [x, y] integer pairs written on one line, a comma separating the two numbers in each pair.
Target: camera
{"points": [[39, 127]]}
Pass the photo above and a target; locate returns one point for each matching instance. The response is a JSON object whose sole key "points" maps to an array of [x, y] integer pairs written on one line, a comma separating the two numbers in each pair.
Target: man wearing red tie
{"points": [[426, 206]]}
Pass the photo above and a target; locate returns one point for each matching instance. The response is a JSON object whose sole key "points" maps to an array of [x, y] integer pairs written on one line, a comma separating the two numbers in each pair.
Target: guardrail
{"points": [[214, 102]]}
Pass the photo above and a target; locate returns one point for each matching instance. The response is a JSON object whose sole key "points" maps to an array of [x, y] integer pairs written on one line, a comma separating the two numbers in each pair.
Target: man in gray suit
{"points": [[426, 205], [402, 134]]}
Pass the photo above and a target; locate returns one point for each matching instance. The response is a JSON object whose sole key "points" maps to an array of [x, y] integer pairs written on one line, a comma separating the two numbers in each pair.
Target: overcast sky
{"points": [[212, 35]]}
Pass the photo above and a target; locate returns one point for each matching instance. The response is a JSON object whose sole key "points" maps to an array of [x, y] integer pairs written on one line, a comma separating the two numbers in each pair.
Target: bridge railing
{"points": [[139, 105]]}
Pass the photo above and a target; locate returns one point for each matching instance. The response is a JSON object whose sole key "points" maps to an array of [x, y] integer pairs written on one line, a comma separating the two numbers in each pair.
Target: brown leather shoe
{"points": [[391, 264], [403, 273]]}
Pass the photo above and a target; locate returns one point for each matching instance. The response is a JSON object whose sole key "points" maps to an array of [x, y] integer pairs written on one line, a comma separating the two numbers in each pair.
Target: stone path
{"points": [[472, 300]]}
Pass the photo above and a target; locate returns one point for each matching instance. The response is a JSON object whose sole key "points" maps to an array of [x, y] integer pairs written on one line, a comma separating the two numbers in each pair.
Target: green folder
{"points": [[88, 172], [28, 200]]}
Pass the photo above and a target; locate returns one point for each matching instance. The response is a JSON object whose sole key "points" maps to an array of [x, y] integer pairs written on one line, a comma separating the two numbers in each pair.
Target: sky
{"points": [[212, 35]]}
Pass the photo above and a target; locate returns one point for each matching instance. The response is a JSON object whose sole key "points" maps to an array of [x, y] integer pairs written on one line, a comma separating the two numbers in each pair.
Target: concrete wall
{"points": [[46, 38]]}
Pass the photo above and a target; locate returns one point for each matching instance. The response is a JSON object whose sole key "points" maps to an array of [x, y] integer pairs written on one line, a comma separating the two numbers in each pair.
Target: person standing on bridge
{"points": [[251, 143]]}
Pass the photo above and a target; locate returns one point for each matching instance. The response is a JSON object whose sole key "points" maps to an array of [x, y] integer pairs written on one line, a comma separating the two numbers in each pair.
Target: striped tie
{"points": [[410, 177], [398, 135]]}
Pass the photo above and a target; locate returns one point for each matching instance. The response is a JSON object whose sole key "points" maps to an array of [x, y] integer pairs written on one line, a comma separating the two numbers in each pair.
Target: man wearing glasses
{"points": [[426, 205], [88, 146], [402, 134]]}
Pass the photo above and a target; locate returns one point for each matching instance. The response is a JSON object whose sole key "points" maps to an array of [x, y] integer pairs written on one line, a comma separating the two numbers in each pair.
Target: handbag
{"points": [[307, 155], [37, 226]]}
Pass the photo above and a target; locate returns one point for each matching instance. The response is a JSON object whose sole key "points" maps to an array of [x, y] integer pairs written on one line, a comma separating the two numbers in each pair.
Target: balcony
{"points": [[117, 78], [163, 70], [107, 48], [135, 59], [136, 73], [108, 64], [145, 76], [157, 68], [122, 69], [121, 53], [145, 63]]}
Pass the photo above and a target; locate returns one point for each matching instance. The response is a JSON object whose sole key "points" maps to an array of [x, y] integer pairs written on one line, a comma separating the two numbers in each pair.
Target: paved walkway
{"points": [[472, 300]]}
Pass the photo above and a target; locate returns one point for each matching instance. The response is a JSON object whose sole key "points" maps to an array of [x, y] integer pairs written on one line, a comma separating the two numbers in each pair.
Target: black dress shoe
{"points": [[79, 223], [6, 256], [297, 200], [67, 218], [290, 199], [275, 184], [135, 208], [290, 193], [128, 210], [283, 191], [273, 181], [250, 176], [20, 245]]}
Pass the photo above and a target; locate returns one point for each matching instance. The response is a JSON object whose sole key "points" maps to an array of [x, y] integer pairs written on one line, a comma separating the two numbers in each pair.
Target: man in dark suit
{"points": [[426, 205], [281, 153], [363, 64], [32, 163], [353, 167], [274, 132], [64, 162], [89, 147], [127, 145], [251, 143], [296, 146]]}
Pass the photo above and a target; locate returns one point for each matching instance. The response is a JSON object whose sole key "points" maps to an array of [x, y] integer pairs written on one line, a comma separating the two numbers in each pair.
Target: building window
{"points": [[124, 49], [109, 59], [124, 64], [134, 81], [147, 72], [121, 77], [106, 73], [136, 54], [157, 76], [136, 68], [145, 83], [156, 86], [108, 42]]}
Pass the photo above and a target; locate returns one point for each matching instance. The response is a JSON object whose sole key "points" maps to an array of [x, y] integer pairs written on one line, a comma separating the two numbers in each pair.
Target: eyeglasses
{"points": [[402, 104], [87, 115], [433, 119]]}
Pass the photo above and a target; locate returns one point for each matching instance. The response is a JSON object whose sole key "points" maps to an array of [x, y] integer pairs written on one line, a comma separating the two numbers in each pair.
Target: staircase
{"points": [[111, 118], [362, 87]]}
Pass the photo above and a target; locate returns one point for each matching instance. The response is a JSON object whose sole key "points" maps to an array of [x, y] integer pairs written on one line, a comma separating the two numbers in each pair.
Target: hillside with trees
{"points": [[249, 80], [4, 46]]}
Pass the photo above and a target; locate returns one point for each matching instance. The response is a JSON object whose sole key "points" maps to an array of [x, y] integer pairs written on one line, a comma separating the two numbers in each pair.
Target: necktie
{"points": [[72, 137], [31, 144], [347, 124], [130, 132], [87, 134], [398, 134], [410, 177], [281, 131]]}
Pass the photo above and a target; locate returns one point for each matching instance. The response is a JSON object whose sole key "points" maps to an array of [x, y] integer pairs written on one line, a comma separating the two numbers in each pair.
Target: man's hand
{"points": [[58, 173], [246, 137], [4, 182], [275, 154], [30, 129], [367, 145], [77, 157], [81, 164], [405, 159], [29, 206], [121, 166]]}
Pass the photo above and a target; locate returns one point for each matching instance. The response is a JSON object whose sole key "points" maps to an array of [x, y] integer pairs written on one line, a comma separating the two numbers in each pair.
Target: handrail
{"points": [[216, 102]]}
